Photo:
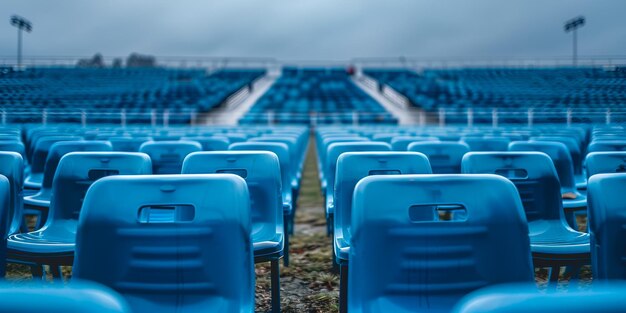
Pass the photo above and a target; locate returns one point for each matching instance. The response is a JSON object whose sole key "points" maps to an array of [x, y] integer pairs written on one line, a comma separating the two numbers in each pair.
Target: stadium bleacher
{"points": [[106, 91], [325, 95], [174, 218], [542, 89]]}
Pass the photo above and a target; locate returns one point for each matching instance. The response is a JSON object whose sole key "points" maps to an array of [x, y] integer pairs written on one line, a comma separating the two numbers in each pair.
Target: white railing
{"points": [[85, 117], [442, 117], [491, 62], [210, 63]]}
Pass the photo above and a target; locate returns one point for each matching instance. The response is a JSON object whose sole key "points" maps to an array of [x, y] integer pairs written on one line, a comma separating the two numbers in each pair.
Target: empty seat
{"points": [[405, 257], [40, 201], [261, 171], [553, 242], [12, 167], [401, 143], [334, 151], [127, 144], [605, 162], [167, 156], [75, 297], [38, 159], [5, 219], [351, 168], [53, 244], [516, 298], [606, 145], [199, 259], [282, 152], [210, 143], [445, 156], [573, 200], [487, 143], [606, 225]]}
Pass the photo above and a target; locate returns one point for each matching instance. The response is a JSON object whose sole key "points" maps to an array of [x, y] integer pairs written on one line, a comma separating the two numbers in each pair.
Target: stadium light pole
{"points": [[572, 26], [21, 24]]}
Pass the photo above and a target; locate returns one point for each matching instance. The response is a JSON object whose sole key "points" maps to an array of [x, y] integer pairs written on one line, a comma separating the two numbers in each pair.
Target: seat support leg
{"points": [[343, 288], [37, 271], [554, 276], [286, 249], [275, 272]]}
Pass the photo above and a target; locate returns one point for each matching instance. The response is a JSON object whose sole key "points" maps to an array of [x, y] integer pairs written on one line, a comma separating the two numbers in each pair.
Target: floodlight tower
{"points": [[571, 26], [21, 24]]}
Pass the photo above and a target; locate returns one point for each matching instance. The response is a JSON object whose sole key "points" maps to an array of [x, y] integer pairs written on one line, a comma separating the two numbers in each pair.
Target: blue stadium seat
{"points": [[573, 201], [405, 257], [445, 157], [38, 159], [12, 167], [75, 297], [261, 171], [167, 156], [53, 244], [352, 167], [282, 152], [606, 145], [401, 143], [523, 298], [553, 242], [332, 154], [127, 144], [605, 163], [210, 143], [39, 202], [487, 143], [5, 219], [200, 259], [606, 225]]}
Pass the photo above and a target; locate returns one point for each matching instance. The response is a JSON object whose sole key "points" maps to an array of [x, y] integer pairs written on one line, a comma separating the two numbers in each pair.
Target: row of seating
{"points": [[351, 154], [261, 156], [545, 90], [327, 96], [106, 91]]}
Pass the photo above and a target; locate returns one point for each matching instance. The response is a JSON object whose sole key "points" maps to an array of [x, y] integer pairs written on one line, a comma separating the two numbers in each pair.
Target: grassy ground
{"points": [[309, 284]]}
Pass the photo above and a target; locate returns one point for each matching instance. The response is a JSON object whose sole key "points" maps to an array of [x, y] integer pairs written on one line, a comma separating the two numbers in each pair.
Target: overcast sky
{"points": [[315, 29]]}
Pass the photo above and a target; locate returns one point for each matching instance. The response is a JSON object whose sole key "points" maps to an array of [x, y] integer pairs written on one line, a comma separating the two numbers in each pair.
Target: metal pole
{"points": [[575, 48], [19, 48]]}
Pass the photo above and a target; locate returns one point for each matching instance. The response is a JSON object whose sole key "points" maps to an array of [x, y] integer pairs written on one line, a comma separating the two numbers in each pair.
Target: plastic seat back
{"points": [[606, 145], [532, 173], [210, 143], [199, 259], [607, 225], [282, 152], [560, 156], [572, 146], [5, 220], [74, 297], [128, 144], [12, 167], [77, 171], [444, 157], [405, 257], [401, 143], [261, 171], [41, 149], [337, 148], [167, 156], [487, 143], [59, 149], [523, 298], [605, 163], [353, 166], [13, 146]]}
